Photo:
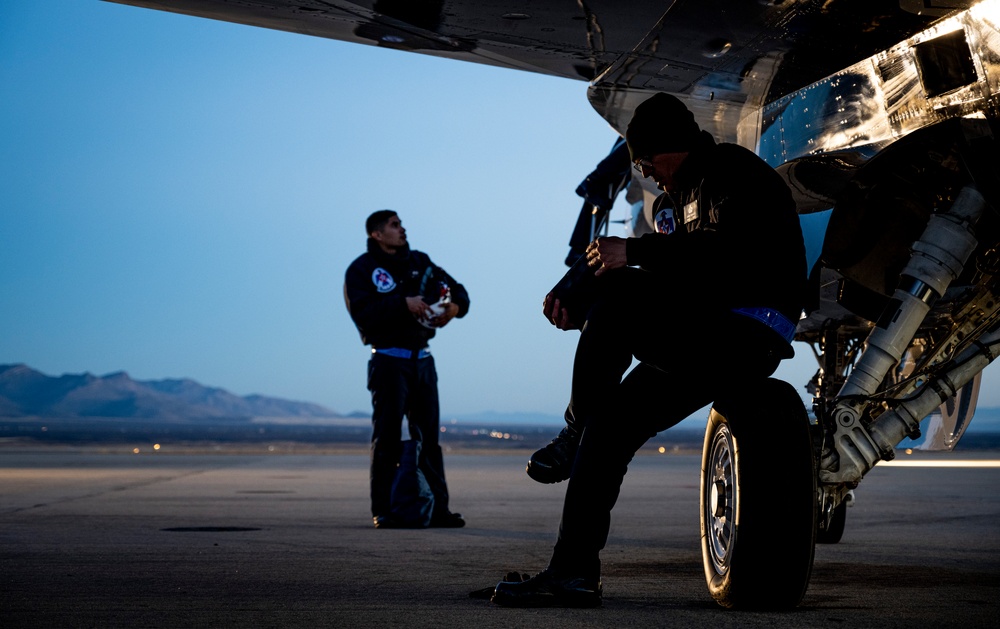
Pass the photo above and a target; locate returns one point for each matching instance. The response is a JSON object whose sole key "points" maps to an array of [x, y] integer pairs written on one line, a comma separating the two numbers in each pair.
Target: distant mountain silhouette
{"points": [[25, 392]]}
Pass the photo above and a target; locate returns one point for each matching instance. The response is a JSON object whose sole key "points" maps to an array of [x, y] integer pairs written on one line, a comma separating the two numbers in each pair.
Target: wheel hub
{"points": [[719, 498], [720, 508]]}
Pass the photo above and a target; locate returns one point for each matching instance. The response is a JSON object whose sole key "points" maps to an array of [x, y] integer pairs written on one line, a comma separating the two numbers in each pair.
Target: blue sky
{"points": [[180, 197]]}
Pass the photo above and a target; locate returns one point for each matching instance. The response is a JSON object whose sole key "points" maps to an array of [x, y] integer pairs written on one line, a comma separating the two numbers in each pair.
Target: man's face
{"points": [[392, 236], [661, 168]]}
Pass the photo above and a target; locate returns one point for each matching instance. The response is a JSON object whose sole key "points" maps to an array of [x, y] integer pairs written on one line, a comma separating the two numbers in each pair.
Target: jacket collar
{"points": [[376, 250], [692, 170]]}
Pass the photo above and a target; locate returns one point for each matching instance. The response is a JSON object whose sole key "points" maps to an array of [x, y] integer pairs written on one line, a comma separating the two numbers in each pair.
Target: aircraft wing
{"points": [[556, 38], [727, 59]]}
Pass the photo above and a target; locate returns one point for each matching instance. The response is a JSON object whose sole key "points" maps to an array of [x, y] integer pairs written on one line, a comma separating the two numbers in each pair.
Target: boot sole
{"points": [[544, 475]]}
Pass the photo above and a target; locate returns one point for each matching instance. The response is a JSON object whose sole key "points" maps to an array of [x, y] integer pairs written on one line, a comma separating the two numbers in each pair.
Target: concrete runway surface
{"points": [[91, 539]]}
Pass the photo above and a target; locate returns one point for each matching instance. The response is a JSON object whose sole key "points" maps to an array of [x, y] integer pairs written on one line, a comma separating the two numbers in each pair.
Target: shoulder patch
{"points": [[665, 221], [382, 280]]}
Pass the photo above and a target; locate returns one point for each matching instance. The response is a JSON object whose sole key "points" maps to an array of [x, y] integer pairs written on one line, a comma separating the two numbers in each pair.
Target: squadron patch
{"points": [[382, 280], [665, 221]]}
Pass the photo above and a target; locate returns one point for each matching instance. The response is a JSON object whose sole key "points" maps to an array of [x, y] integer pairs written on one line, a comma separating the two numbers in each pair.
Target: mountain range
{"points": [[25, 392]]}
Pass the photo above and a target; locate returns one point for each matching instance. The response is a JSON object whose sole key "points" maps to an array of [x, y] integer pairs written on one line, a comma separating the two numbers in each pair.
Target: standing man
{"points": [[719, 289], [398, 299]]}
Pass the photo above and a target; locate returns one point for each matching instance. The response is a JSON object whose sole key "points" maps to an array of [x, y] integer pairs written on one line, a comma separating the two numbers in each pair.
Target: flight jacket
{"points": [[376, 286], [728, 236]]}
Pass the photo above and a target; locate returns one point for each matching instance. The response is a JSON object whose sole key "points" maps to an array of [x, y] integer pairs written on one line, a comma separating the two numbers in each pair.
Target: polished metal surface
{"points": [[727, 59]]}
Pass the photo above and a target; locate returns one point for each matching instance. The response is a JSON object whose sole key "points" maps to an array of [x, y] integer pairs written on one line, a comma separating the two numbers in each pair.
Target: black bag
{"points": [[412, 498], [577, 290]]}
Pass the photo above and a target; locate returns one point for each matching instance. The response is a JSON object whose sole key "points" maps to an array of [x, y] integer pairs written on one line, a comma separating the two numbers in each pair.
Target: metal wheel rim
{"points": [[720, 505]]}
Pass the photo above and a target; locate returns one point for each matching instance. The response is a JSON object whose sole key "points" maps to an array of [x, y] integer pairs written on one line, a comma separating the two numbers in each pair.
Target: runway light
{"points": [[156, 446], [951, 463], [135, 450], [661, 450]]}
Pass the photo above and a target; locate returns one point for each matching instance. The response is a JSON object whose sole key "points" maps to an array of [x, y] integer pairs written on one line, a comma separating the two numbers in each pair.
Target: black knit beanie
{"points": [[661, 124]]}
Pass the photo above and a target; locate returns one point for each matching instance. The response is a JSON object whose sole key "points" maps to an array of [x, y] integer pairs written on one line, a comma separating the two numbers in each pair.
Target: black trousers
{"points": [[404, 387], [687, 355]]}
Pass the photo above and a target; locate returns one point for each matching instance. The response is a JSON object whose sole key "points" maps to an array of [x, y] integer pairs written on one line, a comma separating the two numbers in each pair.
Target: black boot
{"points": [[554, 462], [549, 589]]}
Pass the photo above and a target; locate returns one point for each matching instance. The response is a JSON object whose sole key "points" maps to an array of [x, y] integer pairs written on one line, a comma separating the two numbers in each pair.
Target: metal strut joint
{"points": [[938, 259]]}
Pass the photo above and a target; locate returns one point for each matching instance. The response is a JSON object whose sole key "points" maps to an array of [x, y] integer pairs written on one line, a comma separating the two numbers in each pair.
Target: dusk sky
{"points": [[180, 197]]}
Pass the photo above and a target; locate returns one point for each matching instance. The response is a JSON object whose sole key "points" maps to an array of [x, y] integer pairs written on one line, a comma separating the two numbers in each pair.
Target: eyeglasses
{"points": [[640, 164]]}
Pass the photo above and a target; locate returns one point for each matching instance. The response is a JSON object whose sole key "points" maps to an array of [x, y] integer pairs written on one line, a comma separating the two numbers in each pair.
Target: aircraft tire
{"points": [[758, 498], [835, 531]]}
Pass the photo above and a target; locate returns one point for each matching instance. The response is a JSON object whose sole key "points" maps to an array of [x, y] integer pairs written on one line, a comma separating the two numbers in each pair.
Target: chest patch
{"points": [[665, 221], [691, 212], [382, 280]]}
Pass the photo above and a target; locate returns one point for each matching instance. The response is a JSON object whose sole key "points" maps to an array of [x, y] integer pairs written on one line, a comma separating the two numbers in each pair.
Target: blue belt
{"points": [[399, 352], [772, 319]]}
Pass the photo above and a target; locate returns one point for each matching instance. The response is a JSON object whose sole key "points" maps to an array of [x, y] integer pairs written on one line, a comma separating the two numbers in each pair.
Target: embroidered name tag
{"points": [[690, 212]]}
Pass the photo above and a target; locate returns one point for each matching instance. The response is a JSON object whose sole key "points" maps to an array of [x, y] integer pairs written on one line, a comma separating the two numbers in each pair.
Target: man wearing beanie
{"points": [[718, 289]]}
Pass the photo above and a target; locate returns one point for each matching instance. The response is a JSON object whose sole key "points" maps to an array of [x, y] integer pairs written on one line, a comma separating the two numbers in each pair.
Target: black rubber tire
{"points": [[758, 498], [835, 531]]}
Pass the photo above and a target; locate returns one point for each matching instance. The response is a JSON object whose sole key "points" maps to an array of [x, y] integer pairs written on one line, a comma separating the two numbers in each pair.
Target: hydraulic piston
{"points": [[937, 259]]}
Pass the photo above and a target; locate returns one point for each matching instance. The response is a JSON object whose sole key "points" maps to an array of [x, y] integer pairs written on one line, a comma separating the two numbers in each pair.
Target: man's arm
{"points": [[606, 253], [459, 304], [368, 308], [459, 296]]}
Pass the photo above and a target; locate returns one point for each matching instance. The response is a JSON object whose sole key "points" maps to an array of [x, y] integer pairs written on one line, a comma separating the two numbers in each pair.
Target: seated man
{"points": [[718, 290]]}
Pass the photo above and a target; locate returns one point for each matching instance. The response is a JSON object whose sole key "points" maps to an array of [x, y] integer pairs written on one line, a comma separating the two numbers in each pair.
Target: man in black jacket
{"points": [[398, 298], [718, 290]]}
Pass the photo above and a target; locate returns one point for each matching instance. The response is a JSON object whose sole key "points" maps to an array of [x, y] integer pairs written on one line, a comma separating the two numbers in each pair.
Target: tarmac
{"points": [[99, 538]]}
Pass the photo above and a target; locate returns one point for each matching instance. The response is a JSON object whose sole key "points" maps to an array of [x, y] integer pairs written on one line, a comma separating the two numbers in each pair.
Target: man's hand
{"points": [[606, 253], [418, 307], [556, 314], [450, 312]]}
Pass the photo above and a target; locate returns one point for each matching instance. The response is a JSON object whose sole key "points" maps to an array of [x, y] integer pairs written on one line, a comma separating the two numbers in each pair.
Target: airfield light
{"points": [[156, 446], [135, 450], [661, 450]]}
